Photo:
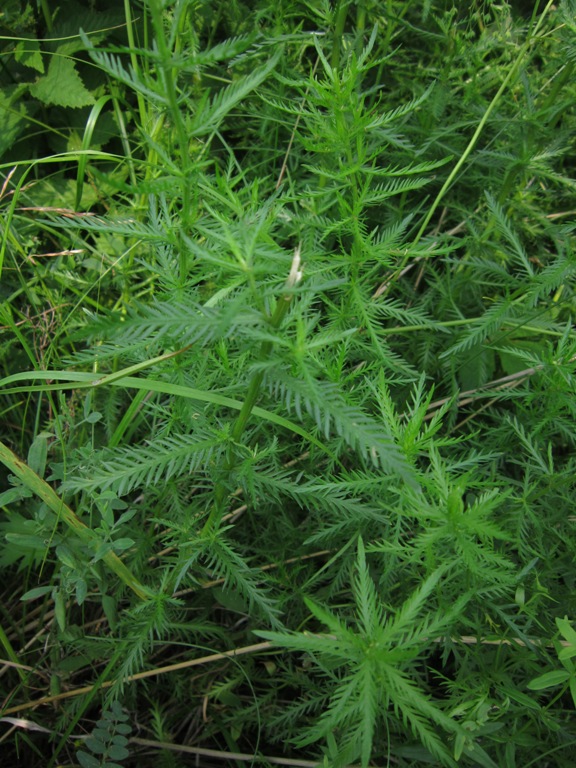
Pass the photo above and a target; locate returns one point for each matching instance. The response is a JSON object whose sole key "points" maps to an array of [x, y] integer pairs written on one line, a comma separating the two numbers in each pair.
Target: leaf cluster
{"points": [[288, 353]]}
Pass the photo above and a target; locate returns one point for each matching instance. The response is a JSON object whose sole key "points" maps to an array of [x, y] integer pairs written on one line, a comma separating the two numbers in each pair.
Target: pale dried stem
{"points": [[392, 278], [268, 567], [219, 755], [249, 649], [6, 182], [487, 390], [296, 124]]}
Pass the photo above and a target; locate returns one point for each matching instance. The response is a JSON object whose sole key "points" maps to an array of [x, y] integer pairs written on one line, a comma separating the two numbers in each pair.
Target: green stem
{"points": [[47, 16], [169, 78], [11, 653], [360, 27], [477, 133], [557, 88], [134, 61], [338, 33], [256, 381], [221, 489], [41, 488]]}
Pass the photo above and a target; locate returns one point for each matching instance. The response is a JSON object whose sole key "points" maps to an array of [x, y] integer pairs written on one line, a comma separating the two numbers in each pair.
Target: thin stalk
{"points": [[477, 133], [123, 133], [393, 330], [290, 762], [254, 648], [41, 488], [338, 33], [169, 78], [221, 491], [47, 16], [360, 27], [134, 62], [11, 653], [250, 649]]}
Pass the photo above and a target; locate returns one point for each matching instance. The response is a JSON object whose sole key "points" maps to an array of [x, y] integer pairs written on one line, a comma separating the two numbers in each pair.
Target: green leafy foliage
{"points": [[61, 85], [107, 742], [372, 668], [287, 352]]}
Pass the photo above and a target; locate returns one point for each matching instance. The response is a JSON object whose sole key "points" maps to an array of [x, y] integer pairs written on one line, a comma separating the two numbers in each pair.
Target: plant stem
{"points": [[338, 33], [169, 78], [220, 491], [134, 61], [477, 133], [47, 16], [41, 488]]}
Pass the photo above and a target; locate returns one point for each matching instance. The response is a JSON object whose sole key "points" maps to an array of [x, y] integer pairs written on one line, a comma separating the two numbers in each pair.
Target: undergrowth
{"points": [[288, 383]]}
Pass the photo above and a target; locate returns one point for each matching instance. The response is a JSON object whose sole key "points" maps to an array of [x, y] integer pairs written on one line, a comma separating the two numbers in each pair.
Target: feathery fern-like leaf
{"points": [[161, 459], [212, 113]]}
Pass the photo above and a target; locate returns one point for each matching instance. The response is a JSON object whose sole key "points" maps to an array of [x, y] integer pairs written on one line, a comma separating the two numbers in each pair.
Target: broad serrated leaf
{"points": [[28, 53], [62, 85], [14, 117]]}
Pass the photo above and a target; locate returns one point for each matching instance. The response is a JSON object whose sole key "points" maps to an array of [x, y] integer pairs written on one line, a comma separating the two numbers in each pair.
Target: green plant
{"points": [[293, 356], [107, 742], [378, 679]]}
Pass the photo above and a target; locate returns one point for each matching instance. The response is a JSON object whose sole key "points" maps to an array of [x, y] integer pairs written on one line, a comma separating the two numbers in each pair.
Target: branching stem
{"points": [[275, 321]]}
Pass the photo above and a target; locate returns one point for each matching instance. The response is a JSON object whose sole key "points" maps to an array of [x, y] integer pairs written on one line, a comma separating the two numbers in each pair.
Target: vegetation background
{"points": [[288, 397]]}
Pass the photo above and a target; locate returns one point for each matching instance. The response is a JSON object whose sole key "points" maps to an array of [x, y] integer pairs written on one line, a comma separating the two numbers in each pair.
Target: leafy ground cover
{"points": [[288, 383]]}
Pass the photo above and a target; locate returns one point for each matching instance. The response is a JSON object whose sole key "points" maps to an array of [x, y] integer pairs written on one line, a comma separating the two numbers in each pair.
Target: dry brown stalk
{"points": [[255, 648], [219, 755]]}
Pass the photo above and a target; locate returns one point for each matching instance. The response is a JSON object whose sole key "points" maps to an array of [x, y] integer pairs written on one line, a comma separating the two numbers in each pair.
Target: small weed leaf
{"points": [[108, 740]]}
